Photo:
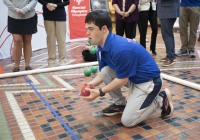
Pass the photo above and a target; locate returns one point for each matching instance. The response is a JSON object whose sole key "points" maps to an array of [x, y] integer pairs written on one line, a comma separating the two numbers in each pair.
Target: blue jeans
{"points": [[168, 36]]}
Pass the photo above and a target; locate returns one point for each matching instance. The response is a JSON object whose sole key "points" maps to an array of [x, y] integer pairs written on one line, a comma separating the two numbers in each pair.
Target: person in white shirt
{"points": [[22, 23]]}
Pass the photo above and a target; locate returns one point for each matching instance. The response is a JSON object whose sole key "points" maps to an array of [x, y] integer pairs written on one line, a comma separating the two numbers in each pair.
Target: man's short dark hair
{"points": [[99, 18]]}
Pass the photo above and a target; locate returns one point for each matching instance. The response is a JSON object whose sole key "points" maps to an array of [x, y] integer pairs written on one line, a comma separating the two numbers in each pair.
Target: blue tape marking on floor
{"points": [[53, 111]]}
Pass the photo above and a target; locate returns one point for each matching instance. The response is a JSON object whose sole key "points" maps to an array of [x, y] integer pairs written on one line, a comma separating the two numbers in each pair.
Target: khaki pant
{"points": [[189, 16], [139, 104], [56, 32]]}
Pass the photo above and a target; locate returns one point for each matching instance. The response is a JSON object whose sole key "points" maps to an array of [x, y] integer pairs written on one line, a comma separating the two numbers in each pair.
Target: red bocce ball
{"points": [[85, 92]]}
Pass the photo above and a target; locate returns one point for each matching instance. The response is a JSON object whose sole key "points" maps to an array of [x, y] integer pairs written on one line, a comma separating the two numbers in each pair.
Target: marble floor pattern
{"points": [[46, 106]]}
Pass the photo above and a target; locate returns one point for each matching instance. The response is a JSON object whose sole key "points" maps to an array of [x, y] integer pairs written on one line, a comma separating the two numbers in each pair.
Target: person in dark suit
{"points": [[167, 12]]}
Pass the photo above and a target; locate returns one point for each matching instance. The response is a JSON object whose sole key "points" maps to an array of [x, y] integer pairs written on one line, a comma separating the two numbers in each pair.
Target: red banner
{"points": [[77, 11]]}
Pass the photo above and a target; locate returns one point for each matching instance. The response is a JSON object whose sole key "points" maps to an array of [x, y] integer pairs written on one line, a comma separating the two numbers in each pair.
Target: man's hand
{"points": [[94, 93]]}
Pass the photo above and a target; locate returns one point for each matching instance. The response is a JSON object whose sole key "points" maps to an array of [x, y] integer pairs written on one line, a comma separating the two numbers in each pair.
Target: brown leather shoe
{"points": [[165, 59], [168, 63]]}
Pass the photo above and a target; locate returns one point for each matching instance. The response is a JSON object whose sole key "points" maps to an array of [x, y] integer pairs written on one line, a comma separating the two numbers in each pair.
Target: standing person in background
{"points": [[147, 12], [55, 25], [189, 17], [135, 30], [126, 14], [22, 23], [167, 12]]}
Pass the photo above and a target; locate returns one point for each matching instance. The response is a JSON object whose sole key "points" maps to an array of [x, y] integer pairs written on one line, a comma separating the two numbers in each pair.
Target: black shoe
{"points": [[28, 68], [191, 54], [16, 69], [181, 52], [113, 110], [167, 108], [154, 53], [168, 63]]}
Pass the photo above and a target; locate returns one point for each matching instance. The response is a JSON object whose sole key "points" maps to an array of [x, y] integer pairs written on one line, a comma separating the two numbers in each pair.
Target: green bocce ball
{"points": [[93, 50], [94, 69], [87, 72], [88, 43]]}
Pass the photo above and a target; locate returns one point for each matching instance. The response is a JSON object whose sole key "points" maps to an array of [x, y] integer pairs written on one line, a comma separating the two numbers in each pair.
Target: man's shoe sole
{"points": [[168, 65], [181, 55], [192, 56], [169, 96], [162, 60], [112, 114]]}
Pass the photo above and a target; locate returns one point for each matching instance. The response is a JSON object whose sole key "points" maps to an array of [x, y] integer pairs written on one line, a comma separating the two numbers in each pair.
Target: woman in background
{"points": [[22, 23], [126, 14], [55, 25]]}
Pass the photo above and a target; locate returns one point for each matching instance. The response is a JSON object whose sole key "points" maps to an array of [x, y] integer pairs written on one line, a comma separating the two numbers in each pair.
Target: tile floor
{"points": [[46, 106]]}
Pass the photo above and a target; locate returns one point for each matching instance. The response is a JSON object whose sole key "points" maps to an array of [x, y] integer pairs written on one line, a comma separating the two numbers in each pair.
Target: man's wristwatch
{"points": [[101, 93]]}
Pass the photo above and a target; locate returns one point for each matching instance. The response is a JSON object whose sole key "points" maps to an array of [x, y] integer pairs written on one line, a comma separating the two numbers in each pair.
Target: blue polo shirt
{"points": [[128, 59]]}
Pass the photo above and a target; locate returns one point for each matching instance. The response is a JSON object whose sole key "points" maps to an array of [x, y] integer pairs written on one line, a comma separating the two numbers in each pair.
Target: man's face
{"points": [[94, 34]]}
